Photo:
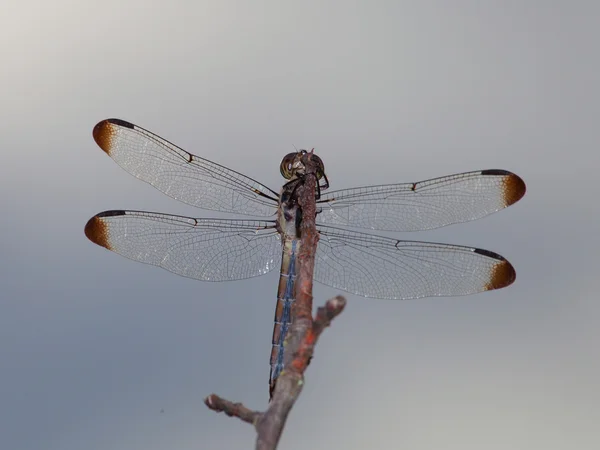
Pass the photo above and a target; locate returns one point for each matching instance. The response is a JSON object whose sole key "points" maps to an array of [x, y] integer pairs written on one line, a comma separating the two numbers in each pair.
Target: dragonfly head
{"points": [[293, 165]]}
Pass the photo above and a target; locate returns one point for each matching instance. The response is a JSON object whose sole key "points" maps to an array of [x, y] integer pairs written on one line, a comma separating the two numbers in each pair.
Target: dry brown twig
{"points": [[303, 335]]}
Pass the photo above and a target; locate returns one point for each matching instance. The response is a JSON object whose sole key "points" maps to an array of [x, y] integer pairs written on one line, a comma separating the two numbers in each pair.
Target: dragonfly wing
{"points": [[180, 174], [381, 267], [204, 249], [424, 205]]}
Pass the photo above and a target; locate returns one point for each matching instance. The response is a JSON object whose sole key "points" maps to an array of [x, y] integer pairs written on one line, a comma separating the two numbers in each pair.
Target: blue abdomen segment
{"points": [[283, 312]]}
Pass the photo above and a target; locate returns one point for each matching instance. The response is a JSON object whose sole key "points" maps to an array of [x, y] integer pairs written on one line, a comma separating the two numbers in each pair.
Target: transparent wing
{"points": [[204, 249], [424, 205], [380, 267], [180, 174]]}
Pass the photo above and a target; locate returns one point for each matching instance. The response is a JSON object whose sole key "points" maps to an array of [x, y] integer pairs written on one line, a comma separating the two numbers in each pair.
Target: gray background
{"points": [[94, 346]]}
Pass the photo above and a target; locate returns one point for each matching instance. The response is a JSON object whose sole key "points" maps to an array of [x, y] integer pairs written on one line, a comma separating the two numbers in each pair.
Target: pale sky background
{"points": [[93, 346]]}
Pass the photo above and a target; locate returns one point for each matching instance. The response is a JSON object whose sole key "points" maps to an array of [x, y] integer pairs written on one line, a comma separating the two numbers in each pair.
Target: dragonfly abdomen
{"points": [[283, 312]]}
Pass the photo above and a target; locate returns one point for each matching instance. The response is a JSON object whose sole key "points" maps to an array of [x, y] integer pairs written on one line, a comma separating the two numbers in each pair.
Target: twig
{"points": [[218, 404], [269, 425]]}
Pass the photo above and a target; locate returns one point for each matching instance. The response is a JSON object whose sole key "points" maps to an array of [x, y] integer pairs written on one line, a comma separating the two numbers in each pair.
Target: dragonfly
{"points": [[368, 265]]}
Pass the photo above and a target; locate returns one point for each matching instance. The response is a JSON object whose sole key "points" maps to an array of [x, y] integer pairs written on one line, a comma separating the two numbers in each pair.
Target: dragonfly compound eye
{"points": [[287, 165], [320, 166]]}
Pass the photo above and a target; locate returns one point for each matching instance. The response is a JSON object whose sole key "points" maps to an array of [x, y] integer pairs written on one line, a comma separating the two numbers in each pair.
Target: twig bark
{"points": [[303, 334]]}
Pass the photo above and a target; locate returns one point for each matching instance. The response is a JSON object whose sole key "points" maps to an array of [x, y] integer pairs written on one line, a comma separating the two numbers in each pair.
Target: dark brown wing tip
{"points": [[514, 188], [513, 185], [102, 135], [104, 131], [97, 231], [502, 274]]}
